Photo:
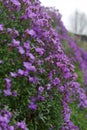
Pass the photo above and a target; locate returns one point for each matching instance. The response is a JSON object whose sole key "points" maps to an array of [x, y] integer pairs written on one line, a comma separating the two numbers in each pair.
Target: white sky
{"points": [[66, 7]]}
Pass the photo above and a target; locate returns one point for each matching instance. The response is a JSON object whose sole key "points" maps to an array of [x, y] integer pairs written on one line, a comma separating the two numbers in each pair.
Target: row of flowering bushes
{"points": [[77, 54], [37, 79], [78, 57]]}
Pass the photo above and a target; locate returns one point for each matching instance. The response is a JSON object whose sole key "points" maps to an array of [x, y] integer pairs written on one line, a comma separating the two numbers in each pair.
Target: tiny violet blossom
{"points": [[20, 72], [1, 62], [27, 45], [16, 2], [32, 99], [30, 32], [41, 98], [40, 51], [40, 89], [15, 93], [61, 88], [11, 128], [67, 75], [32, 80], [26, 73], [7, 80], [16, 33], [1, 27], [15, 43], [7, 92], [21, 125], [9, 30], [56, 81], [32, 57], [14, 75], [8, 83], [21, 50], [29, 66], [32, 106], [48, 86]]}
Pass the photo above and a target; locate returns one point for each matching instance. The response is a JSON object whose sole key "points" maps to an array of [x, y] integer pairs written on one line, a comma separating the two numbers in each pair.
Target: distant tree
{"points": [[78, 22]]}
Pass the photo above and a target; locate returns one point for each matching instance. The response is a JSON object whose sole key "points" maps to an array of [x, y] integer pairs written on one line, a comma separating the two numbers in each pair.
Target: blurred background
{"points": [[74, 14]]}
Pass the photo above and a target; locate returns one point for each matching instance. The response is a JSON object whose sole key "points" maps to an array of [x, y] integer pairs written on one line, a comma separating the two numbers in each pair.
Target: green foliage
{"points": [[49, 115], [79, 116], [80, 74]]}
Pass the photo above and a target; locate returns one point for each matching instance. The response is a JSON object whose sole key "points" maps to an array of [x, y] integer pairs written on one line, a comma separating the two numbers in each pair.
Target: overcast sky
{"points": [[66, 7]]}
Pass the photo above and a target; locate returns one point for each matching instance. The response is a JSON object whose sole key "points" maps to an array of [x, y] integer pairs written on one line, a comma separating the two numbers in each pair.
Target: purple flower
{"points": [[21, 50], [20, 72], [48, 86], [21, 125], [40, 51], [59, 64], [17, 4], [67, 75], [31, 32], [27, 45], [39, 62], [32, 57], [32, 79], [26, 73], [1, 27], [32, 99], [11, 128], [61, 88], [29, 66], [16, 32], [56, 81], [74, 76], [7, 92], [15, 94], [50, 75], [33, 106], [41, 70], [8, 83], [14, 75], [40, 89], [1, 62], [15, 43], [7, 80], [9, 30], [5, 117], [41, 98], [32, 68]]}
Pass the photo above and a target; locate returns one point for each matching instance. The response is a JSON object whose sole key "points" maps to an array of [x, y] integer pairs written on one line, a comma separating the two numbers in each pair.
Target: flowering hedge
{"points": [[37, 78], [76, 54]]}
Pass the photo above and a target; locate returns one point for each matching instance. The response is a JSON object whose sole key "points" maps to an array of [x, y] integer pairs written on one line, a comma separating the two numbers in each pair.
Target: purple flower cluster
{"points": [[5, 117]]}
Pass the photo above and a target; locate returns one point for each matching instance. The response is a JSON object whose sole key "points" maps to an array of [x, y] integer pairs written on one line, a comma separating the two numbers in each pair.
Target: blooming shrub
{"points": [[76, 54], [37, 78], [78, 58]]}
